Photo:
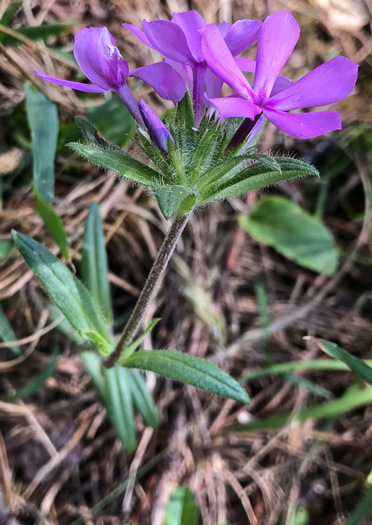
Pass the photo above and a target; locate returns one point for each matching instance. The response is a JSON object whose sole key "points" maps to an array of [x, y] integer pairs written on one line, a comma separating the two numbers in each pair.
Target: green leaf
{"points": [[189, 369], [169, 198], [256, 176], [35, 33], [64, 326], [357, 365], [113, 120], [54, 224], [181, 508], [37, 381], [119, 405], [314, 364], [362, 510], [119, 162], [43, 122], [140, 394], [285, 226], [129, 350], [350, 400], [185, 112], [6, 332], [6, 248], [69, 294], [142, 399], [94, 266]]}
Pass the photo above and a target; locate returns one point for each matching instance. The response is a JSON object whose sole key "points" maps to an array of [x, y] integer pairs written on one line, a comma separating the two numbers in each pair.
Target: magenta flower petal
{"points": [[213, 84], [278, 36], [138, 33], [183, 70], [304, 125], [169, 39], [164, 79], [223, 28], [241, 35], [235, 107], [99, 58], [246, 64], [191, 22], [156, 128], [281, 83], [221, 61], [79, 86], [328, 83]]}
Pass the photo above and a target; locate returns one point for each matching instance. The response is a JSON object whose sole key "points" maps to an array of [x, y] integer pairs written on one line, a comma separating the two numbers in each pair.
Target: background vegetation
{"points": [[282, 307]]}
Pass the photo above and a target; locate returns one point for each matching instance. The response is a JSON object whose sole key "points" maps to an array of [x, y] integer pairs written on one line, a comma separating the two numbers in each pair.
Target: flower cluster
{"points": [[202, 57]]}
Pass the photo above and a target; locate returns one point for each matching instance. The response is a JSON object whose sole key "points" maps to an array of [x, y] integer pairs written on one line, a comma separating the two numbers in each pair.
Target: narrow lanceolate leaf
{"points": [[37, 381], [6, 332], [256, 176], [94, 262], [190, 370], [69, 294], [119, 405], [284, 225], [93, 136], [142, 399], [43, 122], [181, 508], [121, 163], [54, 224], [353, 363]]}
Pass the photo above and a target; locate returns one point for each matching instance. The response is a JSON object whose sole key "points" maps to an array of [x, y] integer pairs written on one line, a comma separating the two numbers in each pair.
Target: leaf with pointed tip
{"points": [[94, 267], [169, 198], [185, 112], [69, 294], [256, 176], [36, 382], [190, 370], [181, 509], [121, 163], [7, 334], [354, 363], [129, 350]]}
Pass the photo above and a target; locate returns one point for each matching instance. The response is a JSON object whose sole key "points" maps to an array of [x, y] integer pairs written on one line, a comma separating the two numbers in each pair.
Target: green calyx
{"points": [[198, 168]]}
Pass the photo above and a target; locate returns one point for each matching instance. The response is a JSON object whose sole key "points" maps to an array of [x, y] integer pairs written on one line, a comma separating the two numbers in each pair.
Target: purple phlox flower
{"points": [[326, 84], [156, 128], [101, 62], [180, 40]]}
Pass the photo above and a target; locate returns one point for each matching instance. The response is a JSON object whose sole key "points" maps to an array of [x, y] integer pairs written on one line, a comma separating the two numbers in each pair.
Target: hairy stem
{"points": [[148, 291]]}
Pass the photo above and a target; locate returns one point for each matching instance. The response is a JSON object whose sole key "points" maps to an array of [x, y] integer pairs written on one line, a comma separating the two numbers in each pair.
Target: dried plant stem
{"points": [[148, 291]]}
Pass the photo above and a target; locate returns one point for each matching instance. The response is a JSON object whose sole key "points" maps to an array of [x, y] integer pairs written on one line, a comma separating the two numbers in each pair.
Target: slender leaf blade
{"points": [[256, 176], [142, 399], [190, 370], [43, 122], [69, 294], [285, 226], [181, 508], [37, 381], [354, 363], [6, 332], [54, 224], [121, 163], [94, 267], [119, 405]]}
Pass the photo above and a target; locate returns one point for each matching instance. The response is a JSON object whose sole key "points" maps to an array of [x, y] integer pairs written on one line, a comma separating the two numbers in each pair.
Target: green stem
{"points": [[148, 291]]}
